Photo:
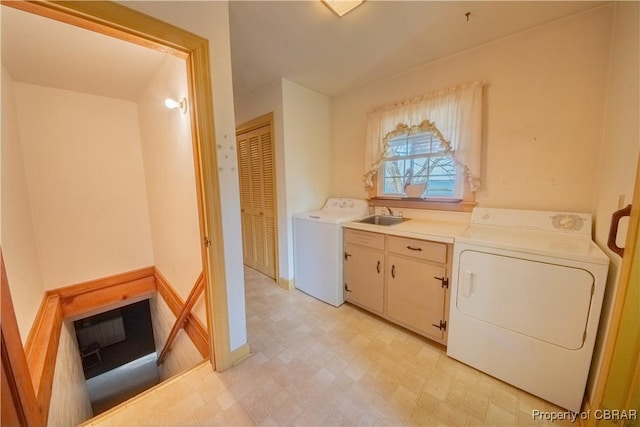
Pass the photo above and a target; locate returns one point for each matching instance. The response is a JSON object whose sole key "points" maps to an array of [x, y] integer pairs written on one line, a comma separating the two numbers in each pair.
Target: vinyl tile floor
{"points": [[312, 364]]}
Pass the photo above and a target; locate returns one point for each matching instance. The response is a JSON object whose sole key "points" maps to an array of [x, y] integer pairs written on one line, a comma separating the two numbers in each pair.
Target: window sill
{"points": [[441, 205]]}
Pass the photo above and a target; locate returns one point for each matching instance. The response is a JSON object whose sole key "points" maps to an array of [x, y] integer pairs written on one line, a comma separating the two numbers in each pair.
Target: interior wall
{"points": [[307, 144], [184, 354], [70, 404], [167, 153], [265, 101], [302, 147], [83, 167], [620, 148], [210, 19], [542, 113], [17, 237]]}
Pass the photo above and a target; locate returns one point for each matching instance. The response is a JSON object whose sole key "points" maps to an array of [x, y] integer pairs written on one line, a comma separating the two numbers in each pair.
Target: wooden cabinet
{"points": [[403, 280], [364, 269], [364, 277], [415, 297]]}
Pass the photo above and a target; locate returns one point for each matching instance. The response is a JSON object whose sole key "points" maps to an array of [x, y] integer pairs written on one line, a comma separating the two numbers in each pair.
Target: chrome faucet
{"points": [[387, 209]]}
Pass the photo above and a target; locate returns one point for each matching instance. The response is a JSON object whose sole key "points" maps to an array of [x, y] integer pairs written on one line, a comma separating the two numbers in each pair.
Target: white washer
{"points": [[527, 289], [318, 248]]}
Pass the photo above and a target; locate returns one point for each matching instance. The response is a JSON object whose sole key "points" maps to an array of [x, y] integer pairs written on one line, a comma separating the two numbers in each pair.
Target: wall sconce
{"points": [[340, 7], [172, 103]]}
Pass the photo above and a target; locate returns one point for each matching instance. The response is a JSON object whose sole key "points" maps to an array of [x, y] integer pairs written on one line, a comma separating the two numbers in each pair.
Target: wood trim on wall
{"points": [[622, 285], [258, 122], [193, 326], [42, 349], [83, 298], [20, 402], [118, 21], [286, 284]]}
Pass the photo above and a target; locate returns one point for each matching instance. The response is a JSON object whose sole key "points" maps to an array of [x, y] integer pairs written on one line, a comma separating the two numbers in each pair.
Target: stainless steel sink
{"points": [[382, 220]]}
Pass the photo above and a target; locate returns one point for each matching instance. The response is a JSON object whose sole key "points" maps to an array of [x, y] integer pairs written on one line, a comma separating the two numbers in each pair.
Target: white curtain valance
{"points": [[456, 112]]}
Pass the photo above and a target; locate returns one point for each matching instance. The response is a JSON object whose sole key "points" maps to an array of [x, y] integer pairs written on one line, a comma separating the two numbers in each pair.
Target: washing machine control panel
{"points": [[346, 207]]}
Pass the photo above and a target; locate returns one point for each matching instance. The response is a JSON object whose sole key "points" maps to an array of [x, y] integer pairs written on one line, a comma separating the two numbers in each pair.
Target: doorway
{"points": [[124, 24], [258, 195]]}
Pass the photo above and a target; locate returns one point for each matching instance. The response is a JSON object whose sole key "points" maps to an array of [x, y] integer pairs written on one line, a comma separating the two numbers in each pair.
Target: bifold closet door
{"points": [[258, 199]]}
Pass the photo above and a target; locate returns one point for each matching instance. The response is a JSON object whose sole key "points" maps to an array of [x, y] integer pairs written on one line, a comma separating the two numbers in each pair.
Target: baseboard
{"points": [[240, 354], [287, 284]]}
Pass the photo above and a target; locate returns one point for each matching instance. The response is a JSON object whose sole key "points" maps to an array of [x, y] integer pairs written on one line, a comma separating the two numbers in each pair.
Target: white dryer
{"points": [[318, 248], [527, 289]]}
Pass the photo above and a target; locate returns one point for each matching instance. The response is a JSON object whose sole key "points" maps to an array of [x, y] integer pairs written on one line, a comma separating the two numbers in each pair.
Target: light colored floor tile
{"points": [[316, 365]]}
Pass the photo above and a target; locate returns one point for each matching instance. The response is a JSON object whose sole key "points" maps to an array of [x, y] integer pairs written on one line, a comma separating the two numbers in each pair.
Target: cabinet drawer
{"points": [[422, 249], [364, 238]]}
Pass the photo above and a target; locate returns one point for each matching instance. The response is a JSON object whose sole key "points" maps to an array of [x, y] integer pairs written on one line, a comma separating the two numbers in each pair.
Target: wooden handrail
{"points": [[197, 289]]}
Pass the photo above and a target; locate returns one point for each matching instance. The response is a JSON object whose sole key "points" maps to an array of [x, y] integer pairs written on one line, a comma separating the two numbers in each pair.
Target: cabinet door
{"points": [[364, 277], [415, 297]]}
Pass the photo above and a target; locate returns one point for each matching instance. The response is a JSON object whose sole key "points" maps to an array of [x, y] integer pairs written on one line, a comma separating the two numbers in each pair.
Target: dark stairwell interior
{"points": [[118, 354]]}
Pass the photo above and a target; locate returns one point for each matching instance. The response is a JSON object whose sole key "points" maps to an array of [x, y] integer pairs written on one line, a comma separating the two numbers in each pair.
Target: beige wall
{"points": [[302, 138], [184, 354], [211, 21], [265, 101], [620, 147], [85, 182], [17, 238], [167, 153], [70, 404], [543, 108], [307, 141]]}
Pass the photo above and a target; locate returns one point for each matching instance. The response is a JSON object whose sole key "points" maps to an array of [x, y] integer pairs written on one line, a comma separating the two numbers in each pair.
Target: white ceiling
{"points": [[299, 40], [41, 51]]}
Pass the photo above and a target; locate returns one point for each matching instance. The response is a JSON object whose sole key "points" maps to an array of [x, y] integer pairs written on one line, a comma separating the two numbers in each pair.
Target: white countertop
{"points": [[436, 230]]}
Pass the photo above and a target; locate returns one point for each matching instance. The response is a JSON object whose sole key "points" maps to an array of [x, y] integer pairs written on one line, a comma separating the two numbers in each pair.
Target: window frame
{"points": [[465, 200], [433, 135]]}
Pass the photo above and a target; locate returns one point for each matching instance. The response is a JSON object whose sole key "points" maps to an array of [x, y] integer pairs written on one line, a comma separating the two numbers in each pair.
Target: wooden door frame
{"points": [[633, 232], [258, 122], [126, 24]]}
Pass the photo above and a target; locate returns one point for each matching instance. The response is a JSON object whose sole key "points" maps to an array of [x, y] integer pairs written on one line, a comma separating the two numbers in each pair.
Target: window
{"points": [[424, 152], [418, 166]]}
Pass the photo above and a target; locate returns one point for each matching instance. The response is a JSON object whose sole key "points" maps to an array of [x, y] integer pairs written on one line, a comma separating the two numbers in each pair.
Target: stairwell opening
{"points": [[118, 354]]}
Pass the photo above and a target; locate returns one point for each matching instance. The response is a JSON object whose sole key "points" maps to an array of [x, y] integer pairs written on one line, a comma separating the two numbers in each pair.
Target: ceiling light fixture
{"points": [[172, 103], [340, 7]]}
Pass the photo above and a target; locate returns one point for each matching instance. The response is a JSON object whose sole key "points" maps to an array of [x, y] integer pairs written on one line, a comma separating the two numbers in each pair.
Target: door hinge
{"points": [[444, 280], [442, 325]]}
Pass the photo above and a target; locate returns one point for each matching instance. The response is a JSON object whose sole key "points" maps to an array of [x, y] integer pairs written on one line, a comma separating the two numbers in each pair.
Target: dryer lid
{"points": [[536, 232]]}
